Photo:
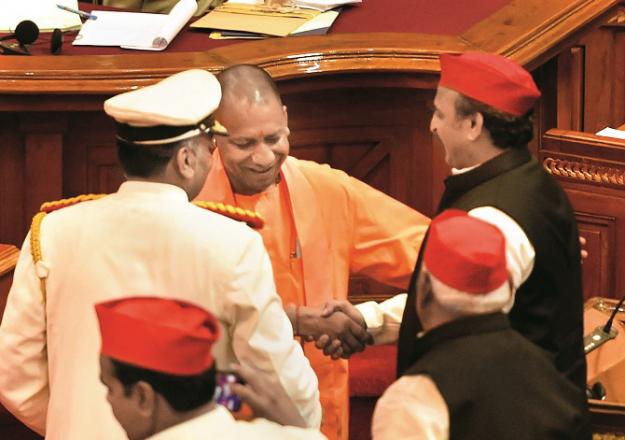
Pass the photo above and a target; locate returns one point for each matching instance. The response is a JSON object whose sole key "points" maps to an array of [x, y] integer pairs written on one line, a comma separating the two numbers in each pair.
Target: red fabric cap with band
{"points": [[160, 334], [466, 253], [491, 79]]}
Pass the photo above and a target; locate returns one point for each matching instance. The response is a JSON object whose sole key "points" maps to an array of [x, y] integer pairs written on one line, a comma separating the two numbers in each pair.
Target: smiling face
{"points": [[257, 143], [452, 129]]}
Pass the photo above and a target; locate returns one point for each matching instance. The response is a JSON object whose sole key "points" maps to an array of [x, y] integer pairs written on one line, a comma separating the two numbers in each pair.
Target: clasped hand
{"points": [[338, 329]]}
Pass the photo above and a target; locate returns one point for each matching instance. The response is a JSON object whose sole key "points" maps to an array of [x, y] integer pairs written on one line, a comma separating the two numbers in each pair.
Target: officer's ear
{"points": [[185, 160]]}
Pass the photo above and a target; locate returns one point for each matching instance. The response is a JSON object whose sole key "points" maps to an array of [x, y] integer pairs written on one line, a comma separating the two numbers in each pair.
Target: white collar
{"points": [[456, 171], [132, 187]]}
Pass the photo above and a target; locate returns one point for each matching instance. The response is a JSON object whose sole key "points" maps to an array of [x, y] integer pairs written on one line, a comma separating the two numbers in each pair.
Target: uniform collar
{"points": [[162, 190]]}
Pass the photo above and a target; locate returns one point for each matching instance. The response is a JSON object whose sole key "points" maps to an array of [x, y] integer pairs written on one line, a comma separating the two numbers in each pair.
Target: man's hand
{"points": [[335, 330], [265, 395], [584, 252], [334, 347], [346, 307]]}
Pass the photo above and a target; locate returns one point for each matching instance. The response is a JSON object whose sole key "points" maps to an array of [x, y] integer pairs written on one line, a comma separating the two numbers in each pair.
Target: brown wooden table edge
{"points": [[8, 258]]}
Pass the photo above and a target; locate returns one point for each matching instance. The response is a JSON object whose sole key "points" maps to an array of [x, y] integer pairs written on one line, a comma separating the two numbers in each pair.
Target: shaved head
{"points": [[249, 84], [257, 141]]}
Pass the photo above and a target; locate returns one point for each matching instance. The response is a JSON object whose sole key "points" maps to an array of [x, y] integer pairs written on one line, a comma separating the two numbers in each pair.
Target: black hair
{"points": [[183, 393], [145, 161], [506, 130]]}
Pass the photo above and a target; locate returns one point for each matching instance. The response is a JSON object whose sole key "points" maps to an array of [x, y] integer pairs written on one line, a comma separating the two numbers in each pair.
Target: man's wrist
{"points": [[307, 317]]}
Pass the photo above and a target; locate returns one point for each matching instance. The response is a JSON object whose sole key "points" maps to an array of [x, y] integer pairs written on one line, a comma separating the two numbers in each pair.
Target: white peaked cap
{"points": [[176, 108]]}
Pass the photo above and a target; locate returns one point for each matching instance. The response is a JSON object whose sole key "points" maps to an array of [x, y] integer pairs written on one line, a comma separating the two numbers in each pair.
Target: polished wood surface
{"points": [[591, 169], [530, 32], [8, 259], [591, 79], [343, 90]]}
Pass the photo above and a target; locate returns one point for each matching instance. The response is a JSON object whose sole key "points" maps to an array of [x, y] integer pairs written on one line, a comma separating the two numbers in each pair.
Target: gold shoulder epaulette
{"points": [[252, 218], [48, 207], [35, 233]]}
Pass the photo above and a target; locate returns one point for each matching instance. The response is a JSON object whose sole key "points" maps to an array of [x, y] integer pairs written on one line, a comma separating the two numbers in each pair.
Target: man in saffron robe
{"points": [[321, 225]]}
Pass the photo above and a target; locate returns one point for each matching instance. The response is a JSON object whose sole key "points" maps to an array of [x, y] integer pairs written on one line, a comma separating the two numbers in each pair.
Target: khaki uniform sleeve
{"points": [[262, 335], [24, 367]]}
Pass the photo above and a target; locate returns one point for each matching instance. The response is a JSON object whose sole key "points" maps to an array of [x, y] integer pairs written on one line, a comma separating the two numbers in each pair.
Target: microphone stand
{"points": [[14, 49], [602, 334]]}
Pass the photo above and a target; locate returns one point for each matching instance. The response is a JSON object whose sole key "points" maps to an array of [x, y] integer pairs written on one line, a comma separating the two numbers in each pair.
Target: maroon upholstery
{"points": [[370, 373]]}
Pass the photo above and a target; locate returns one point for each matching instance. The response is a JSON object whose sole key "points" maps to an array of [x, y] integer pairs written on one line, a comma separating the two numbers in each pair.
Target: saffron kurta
{"points": [[322, 225]]}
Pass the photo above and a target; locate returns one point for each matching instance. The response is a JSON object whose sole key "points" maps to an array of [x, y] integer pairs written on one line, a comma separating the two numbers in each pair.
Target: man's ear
{"points": [[144, 397], [185, 160], [426, 289], [476, 124]]}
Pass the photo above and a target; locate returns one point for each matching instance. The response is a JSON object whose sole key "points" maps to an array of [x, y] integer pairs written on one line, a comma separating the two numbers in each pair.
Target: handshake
{"points": [[338, 328]]}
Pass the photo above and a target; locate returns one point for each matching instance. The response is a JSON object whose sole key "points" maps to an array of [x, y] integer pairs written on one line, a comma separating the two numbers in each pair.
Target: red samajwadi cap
{"points": [[466, 258], [161, 334], [491, 79]]}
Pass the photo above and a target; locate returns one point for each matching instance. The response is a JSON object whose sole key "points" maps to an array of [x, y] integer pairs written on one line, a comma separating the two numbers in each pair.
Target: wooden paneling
{"points": [[12, 190], [374, 132], [57, 143], [591, 169], [598, 271], [571, 89], [591, 78], [8, 259]]}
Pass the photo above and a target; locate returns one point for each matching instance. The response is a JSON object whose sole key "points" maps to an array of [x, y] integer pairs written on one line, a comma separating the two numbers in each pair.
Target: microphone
{"points": [[602, 334], [26, 32], [57, 41], [597, 391]]}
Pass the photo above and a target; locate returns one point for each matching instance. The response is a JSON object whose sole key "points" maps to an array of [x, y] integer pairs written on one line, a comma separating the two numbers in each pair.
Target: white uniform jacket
{"points": [[219, 424], [146, 239]]}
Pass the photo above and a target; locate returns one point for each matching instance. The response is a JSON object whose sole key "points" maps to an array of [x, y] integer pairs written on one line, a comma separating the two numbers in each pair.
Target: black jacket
{"points": [[548, 307], [497, 384]]}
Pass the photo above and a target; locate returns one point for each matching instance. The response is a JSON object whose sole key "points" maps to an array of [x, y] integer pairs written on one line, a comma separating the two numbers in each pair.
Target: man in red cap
{"points": [[483, 116], [157, 365], [474, 377]]}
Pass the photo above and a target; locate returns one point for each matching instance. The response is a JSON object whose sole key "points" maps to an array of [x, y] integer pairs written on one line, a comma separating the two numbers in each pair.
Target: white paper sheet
{"points": [[43, 12], [135, 30], [612, 132]]}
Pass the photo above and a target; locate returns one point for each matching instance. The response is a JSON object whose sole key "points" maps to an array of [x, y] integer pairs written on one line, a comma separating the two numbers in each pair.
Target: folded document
{"points": [[135, 30], [256, 18]]}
